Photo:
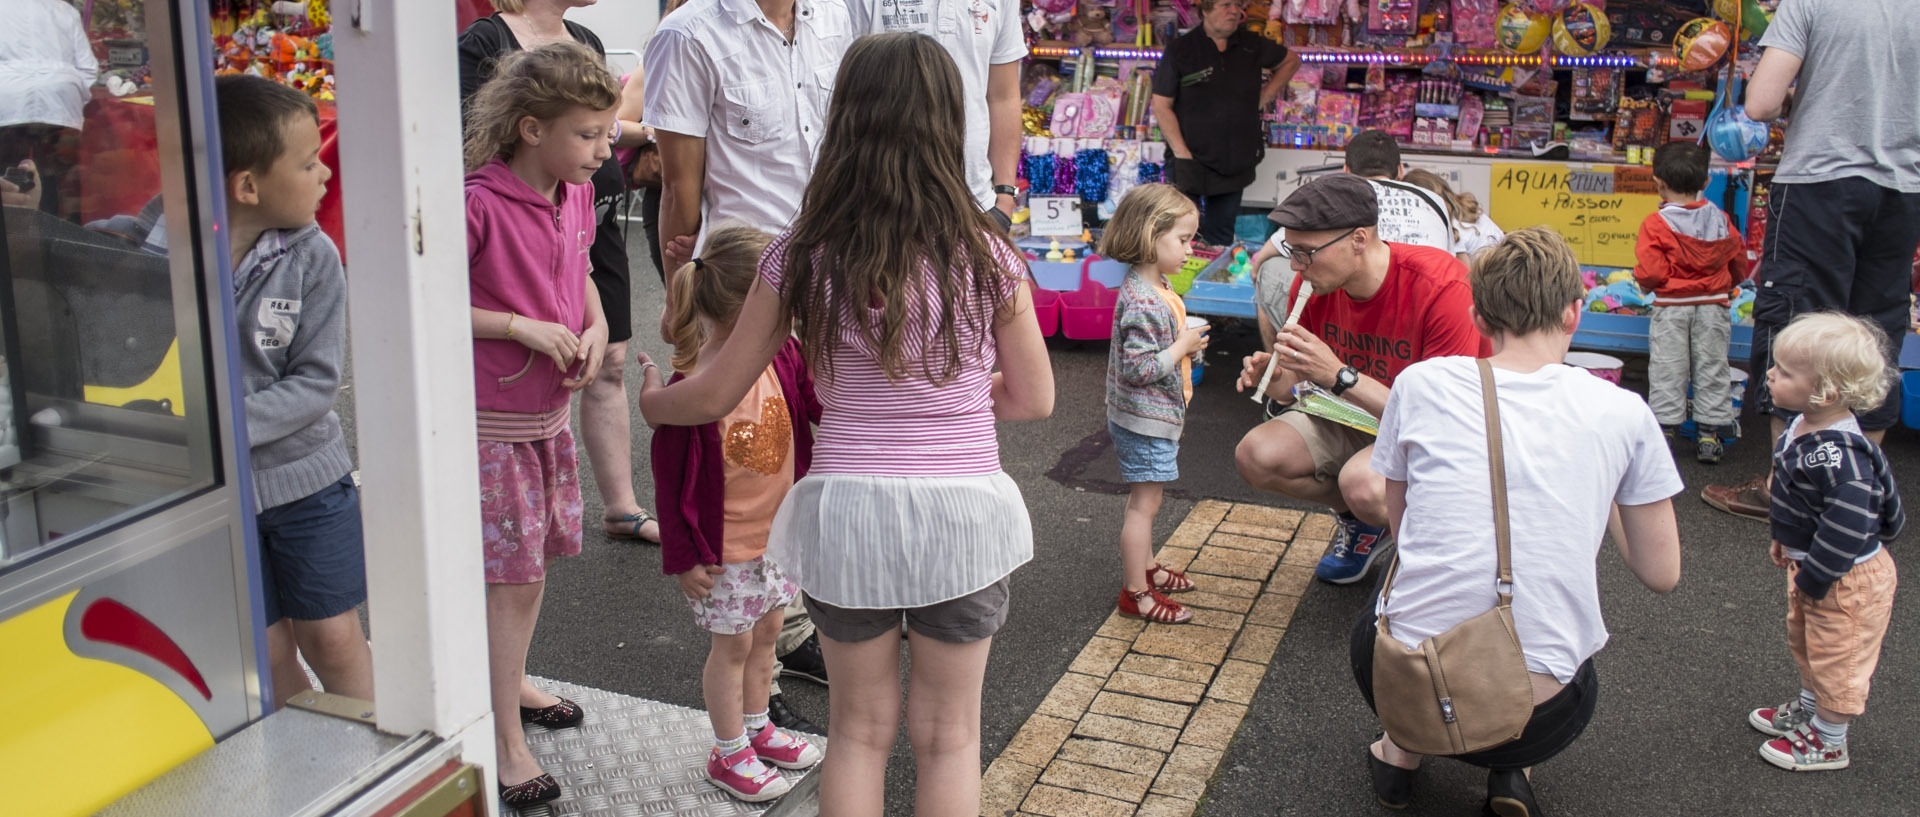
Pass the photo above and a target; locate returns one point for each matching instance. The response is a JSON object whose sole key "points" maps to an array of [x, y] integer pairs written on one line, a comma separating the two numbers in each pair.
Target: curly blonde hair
{"points": [[1848, 355], [544, 84]]}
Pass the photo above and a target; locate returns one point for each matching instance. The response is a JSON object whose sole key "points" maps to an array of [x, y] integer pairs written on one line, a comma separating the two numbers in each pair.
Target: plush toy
{"points": [[1092, 26]]}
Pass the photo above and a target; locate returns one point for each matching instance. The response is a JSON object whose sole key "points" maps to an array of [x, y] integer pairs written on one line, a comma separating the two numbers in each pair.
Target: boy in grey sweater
{"points": [[290, 303]]}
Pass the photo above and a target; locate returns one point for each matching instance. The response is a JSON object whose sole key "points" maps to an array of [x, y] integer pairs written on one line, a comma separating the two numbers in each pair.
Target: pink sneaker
{"points": [[742, 775], [784, 749]]}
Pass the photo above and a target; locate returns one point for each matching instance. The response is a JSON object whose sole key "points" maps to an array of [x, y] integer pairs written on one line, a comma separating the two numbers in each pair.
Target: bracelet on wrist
{"points": [[510, 317]]}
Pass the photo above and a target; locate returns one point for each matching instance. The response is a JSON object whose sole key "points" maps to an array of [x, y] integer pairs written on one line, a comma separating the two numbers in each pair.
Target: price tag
{"points": [[1055, 216]]}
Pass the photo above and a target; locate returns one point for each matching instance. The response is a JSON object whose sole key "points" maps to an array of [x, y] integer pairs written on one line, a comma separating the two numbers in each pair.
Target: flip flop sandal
{"points": [[1165, 610], [637, 520], [1175, 581]]}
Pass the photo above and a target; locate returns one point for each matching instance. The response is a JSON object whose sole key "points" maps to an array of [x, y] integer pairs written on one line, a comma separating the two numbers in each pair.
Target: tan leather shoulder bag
{"points": [[1466, 689]]}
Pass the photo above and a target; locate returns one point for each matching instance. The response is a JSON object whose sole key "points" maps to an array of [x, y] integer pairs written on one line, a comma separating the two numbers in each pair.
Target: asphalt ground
{"points": [[1678, 677]]}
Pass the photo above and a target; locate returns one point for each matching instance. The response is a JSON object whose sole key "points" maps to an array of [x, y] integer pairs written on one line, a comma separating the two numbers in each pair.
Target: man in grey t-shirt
{"points": [[1843, 216]]}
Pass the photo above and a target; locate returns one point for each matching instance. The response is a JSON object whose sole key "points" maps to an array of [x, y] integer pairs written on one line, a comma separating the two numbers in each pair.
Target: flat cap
{"points": [[1336, 201]]}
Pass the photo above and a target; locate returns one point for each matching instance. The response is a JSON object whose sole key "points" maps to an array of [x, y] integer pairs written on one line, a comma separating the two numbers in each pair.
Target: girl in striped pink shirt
{"points": [[905, 297]]}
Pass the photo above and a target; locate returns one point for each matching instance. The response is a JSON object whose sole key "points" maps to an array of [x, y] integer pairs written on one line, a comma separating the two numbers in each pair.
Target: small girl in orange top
{"points": [[718, 486]]}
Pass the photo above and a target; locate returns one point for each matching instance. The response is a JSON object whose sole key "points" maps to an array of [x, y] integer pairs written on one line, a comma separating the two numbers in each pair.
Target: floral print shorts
{"points": [[529, 506], [742, 595]]}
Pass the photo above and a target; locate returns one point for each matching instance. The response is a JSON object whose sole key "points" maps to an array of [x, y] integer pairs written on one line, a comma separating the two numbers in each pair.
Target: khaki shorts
{"points": [[1331, 444], [1836, 640]]}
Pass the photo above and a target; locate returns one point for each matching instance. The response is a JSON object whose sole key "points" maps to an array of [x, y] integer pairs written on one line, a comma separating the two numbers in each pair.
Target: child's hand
{"points": [[591, 353], [1779, 555], [557, 342], [1191, 340], [697, 583]]}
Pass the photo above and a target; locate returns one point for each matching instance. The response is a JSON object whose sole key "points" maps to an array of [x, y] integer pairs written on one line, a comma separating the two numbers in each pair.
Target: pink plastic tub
{"points": [[1046, 308], [1087, 313]]}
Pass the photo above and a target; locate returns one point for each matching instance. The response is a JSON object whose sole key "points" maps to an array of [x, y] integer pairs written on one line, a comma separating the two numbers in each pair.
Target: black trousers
{"points": [[1845, 245], [1216, 194], [1556, 722]]}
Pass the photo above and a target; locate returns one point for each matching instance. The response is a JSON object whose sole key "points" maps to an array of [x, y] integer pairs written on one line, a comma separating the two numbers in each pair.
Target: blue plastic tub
{"points": [[1910, 398], [1604, 332]]}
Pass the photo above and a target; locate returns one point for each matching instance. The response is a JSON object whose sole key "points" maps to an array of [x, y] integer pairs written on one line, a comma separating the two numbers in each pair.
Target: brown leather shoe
{"points": [[1748, 499]]}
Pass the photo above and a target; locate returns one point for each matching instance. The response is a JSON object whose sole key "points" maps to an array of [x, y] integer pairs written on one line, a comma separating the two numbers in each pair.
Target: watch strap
{"points": [[1006, 190]]}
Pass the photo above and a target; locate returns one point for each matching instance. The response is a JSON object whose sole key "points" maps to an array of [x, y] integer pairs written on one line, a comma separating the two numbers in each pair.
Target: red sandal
{"points": [[1165, 610], [1176, 581]]}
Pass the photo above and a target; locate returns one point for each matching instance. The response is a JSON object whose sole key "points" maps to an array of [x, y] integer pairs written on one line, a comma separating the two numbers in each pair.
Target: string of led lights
{"points": [[1410, 59]]}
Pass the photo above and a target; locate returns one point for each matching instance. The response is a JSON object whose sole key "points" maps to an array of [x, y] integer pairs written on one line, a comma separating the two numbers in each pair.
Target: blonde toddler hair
{"points": [[1847, 355], [712, 288], [1146, 213]]}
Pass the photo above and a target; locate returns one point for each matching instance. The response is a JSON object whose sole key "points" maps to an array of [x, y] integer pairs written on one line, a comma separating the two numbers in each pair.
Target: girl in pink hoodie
{"points": [[535, 135]]}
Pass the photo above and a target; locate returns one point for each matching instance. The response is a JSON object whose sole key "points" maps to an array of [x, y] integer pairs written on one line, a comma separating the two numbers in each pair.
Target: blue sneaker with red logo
{"points": [[1355, 544]]}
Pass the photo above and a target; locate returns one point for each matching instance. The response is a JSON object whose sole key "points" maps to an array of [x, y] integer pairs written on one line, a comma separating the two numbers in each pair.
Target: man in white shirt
{"points": [[46, 67], [737, 94], [737, 91], [985, 41]]}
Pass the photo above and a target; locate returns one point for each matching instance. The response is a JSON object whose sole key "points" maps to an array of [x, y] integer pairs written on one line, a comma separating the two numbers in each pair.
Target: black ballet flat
{"points": [[541, 789], [561, 715]]}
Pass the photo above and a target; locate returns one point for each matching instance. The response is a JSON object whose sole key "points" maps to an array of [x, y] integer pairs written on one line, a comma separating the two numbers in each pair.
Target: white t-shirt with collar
{"points": [[1573, 444], [978, 34], [720, 71]]}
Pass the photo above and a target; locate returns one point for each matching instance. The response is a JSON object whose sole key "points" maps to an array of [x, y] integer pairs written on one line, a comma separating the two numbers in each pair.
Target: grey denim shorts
{"points": [[964, 620]]}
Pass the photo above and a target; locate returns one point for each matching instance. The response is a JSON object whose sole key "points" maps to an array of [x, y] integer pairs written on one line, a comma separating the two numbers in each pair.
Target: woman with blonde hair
{"points": [[1473, 230]]}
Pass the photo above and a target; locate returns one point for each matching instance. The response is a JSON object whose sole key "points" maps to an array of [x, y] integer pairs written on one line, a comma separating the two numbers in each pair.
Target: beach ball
{"points": [[1520, 30], [1581, 30], [1701, 42], [1735, 137], [1545, 6]]}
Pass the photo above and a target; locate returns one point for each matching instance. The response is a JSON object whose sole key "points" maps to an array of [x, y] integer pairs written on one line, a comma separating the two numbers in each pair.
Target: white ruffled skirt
{"points": [[869, 542]]}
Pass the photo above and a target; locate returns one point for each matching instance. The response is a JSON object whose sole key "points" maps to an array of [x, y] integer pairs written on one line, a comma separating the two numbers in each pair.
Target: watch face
{"points": [[1348, 376]]}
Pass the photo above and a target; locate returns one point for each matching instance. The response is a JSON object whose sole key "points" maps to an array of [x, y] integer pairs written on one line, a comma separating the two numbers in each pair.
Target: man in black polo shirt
{"points": [[1208, 96]]}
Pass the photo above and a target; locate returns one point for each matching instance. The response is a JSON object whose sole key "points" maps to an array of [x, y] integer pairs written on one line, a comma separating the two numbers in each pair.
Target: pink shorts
{"points": [[529, 506]]}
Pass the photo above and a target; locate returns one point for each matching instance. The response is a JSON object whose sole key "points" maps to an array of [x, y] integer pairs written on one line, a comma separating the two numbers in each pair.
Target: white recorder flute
{"points": [[1299, 305]]}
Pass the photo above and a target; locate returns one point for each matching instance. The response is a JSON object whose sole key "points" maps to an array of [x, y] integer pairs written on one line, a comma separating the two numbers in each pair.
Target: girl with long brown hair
{"points": [[906, 298]]}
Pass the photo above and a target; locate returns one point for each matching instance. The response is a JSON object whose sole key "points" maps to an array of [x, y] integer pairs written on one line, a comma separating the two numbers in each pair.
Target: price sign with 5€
{"points": [[1055, 216]]}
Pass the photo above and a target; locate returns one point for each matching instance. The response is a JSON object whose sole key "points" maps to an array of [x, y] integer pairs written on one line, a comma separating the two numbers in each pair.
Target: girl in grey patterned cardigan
{"points": [[1149, 381]]}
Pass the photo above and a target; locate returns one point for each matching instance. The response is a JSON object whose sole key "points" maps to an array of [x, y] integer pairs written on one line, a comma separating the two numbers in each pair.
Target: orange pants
{"points": [[1836, 640]]}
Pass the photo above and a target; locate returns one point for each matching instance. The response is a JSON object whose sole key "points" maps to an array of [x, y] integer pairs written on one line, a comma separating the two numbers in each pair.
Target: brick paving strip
{"points": [[1142, 718]]}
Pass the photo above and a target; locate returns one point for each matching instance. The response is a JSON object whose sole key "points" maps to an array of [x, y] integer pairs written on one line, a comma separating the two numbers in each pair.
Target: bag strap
{"points": [[1497, 468]]}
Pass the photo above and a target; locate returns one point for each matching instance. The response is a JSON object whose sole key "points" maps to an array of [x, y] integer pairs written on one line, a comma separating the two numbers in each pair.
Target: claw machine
{"points": [[132, 636]]}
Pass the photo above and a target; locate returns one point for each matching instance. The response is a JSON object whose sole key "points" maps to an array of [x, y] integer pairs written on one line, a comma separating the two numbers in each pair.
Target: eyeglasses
{"points": [[1305, 256]]}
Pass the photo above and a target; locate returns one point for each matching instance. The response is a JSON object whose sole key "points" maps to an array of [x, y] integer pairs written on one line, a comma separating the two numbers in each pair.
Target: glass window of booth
{"points": [[106, 410]]}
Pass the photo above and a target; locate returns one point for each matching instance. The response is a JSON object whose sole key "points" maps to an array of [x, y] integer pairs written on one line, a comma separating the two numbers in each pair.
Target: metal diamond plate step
{"points": [[638, 757]]}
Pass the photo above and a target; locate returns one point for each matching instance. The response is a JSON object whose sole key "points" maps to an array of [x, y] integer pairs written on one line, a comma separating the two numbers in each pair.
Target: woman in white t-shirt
{"points": [[1575, 446]]}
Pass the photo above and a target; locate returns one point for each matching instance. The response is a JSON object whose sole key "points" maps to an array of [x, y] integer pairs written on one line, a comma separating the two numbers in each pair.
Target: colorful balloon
{"points": [[1753, 19], [1520, 30], [1581, 30], [1701, 42]]}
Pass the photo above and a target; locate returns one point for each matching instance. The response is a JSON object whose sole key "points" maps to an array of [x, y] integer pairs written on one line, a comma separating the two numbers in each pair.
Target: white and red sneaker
{"points": [[1779, 720], [1802, 750], [784, 749], [742, 775]]}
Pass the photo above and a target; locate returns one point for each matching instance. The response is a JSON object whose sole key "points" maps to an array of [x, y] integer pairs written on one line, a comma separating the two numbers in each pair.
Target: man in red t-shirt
{"points": [[1377, 307]]}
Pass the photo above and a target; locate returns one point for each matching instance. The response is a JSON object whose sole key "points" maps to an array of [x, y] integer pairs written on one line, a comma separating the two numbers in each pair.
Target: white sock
{"points": [[756, 721], [728, 747], [1807, 701]]}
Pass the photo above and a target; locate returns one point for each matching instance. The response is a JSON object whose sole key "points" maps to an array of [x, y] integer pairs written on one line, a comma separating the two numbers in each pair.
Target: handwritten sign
{"points": [[1598, 211], [1055, 216]]}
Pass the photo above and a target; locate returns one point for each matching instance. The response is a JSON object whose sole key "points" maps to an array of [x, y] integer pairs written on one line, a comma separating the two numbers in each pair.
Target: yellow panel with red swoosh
{"points": [[82, 733]]}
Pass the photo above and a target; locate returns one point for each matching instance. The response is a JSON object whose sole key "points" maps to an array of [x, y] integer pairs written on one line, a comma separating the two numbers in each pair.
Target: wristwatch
{"points": [[1006, 190], [1347, 378]]}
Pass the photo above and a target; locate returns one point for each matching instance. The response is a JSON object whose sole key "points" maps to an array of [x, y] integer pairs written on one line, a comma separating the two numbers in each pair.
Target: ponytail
{"points": [[711, 289]]}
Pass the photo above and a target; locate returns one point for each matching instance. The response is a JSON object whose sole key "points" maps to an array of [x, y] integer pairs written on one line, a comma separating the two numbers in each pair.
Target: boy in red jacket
{"points": [[1691, 257]]}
